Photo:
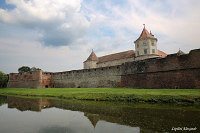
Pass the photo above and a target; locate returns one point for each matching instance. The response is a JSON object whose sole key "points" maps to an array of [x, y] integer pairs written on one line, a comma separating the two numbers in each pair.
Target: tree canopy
{"points": [[3, 80], [34, 69], [24, 69], [27, 69]]}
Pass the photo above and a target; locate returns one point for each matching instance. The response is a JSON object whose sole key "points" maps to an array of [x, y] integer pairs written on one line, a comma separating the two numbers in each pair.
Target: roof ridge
{"points": [[146, 34], [118, 53], [92, 57], [117, 56]]}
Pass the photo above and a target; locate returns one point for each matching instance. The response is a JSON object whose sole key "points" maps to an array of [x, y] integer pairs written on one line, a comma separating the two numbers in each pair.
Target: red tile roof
{"points": [[92, 57], [117, 56], [145, 34], [162, 54]]}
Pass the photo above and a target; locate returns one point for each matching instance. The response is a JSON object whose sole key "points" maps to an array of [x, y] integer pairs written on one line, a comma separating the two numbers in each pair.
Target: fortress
{"points": [[145, 47], [146, 67]]}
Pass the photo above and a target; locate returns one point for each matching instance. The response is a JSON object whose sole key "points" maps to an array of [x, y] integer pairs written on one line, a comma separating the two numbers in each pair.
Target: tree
{"points": [[24, 69], [3, 80], [34, 69], [28, 69]]}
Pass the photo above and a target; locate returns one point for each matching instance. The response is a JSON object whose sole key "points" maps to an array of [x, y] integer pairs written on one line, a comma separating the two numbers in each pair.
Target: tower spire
{"points": [[144, 26]]}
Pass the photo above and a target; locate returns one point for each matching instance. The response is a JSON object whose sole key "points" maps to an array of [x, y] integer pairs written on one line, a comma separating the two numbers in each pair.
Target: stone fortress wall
{"points": [[114, 62], [36, 79], [173, 71], [25, 80], [85, 78]]}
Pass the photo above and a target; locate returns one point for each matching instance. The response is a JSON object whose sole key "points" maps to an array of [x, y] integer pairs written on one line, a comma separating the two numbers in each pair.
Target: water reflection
{"points": [[3, 100], [80, 116], [24, 104]]}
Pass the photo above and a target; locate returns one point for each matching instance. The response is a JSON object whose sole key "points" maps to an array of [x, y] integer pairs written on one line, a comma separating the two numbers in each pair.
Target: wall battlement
{"points": [[174, 71], [171, 62], [25, 80], [97, 77]]}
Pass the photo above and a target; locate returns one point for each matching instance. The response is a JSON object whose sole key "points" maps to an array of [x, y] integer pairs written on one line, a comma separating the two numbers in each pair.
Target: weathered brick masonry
{"points": [[97, 77], [174, 71], [37, 79], [25, 80]]}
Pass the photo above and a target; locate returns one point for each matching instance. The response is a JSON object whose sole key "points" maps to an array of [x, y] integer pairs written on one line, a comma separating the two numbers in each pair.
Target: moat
{"points": [[42, 115]]}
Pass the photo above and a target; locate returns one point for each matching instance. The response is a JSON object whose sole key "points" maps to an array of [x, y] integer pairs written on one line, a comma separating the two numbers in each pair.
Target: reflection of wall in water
{"points": [[161, 120], [3, 100], [24, 104]]}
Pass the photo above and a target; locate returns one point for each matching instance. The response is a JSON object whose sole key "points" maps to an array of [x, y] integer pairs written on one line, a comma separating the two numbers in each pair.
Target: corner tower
{"points": [[91, 61], [146, 46]]}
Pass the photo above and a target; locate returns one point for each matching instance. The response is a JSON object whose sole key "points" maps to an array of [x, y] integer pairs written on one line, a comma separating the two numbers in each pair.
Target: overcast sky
{"points": [[58, 35]]}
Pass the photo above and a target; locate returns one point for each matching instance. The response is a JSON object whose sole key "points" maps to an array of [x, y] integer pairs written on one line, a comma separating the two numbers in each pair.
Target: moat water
{"points": [[41, 115]]}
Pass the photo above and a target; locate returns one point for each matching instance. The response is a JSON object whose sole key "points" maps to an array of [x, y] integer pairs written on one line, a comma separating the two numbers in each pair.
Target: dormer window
{"points": [[152, 43], [144, 43]]}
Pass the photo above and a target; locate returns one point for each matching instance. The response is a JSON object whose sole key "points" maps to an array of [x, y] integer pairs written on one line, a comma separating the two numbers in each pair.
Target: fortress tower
{"points": [[146, 46], [131, 68], [91, 61]]}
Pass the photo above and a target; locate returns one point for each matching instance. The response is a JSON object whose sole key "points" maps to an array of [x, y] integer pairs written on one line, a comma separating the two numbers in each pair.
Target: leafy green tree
{"points": [[28, 69], [3, 80], [34, 69], [24, 69]]}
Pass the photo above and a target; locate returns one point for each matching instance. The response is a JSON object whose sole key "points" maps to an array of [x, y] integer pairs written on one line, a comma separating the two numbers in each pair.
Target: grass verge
{"points": [[188, 96]]}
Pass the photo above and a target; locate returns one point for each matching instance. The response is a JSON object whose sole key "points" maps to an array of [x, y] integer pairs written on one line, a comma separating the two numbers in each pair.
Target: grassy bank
{"points": [[112, 94]]}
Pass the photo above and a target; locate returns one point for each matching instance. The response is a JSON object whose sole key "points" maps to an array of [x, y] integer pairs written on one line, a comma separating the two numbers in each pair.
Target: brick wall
{"points": [[46, 80], [25, 80], [171, 72], [97, 77]]}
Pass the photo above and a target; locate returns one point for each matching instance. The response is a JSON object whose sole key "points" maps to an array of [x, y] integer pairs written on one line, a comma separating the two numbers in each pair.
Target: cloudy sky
{"points": [[58, 35]]}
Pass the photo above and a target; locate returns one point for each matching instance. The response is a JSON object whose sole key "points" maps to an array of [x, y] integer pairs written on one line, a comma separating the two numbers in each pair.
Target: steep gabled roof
{"points": [[92, 57], [162, 54], [145, 34], [117, 56]]}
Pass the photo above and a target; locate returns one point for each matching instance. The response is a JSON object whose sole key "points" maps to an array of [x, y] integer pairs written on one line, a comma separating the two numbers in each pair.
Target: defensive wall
{"points": [[25, 80], [36, 79], [85, 78], [114, 62], [174, 71]]}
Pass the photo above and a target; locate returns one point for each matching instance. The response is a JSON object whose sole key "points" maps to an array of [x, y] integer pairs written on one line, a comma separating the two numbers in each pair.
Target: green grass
{"points": [[112, 94]]}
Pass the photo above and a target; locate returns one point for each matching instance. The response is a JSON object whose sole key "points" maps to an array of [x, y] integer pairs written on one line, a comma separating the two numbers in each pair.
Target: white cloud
{"points": [[16, 53], [58, 35], [176, 26], [42, 10], [49, 18]]}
